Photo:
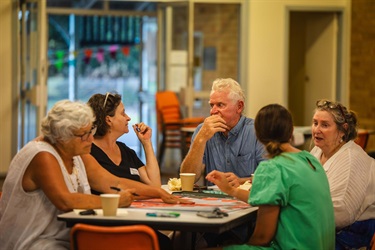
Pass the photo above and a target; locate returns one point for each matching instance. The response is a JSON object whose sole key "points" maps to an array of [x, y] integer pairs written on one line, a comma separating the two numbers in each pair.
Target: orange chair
{"points": [[372, 244], [362, 138], [170, 121], [134, 237]]}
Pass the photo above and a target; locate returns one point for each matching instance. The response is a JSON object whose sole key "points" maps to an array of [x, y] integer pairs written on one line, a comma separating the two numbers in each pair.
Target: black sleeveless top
{"points": [[129, 165]]}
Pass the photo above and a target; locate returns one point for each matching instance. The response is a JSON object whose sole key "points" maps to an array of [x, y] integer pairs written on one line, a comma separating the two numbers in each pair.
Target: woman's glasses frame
{"points": [[86, 135]]}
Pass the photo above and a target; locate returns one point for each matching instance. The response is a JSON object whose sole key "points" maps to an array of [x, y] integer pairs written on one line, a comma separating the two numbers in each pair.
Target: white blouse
{"points": [[351, 176]]}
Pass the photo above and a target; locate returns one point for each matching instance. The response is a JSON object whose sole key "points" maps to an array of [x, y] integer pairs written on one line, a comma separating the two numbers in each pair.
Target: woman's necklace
{"points": [[324, 158], [79, 188]]}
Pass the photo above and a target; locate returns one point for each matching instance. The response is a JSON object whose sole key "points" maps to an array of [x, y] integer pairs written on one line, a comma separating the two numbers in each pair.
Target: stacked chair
{"points": [[170, 121]]}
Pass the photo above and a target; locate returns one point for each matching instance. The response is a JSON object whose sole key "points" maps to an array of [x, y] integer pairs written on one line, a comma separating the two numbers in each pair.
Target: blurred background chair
{"points": [[170, 121], [362, 138], [134, 237], [186, 135]]}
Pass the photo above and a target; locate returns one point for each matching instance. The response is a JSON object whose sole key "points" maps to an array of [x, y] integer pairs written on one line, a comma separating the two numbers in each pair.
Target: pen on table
{"points": [[119, 189], [170, 215]]}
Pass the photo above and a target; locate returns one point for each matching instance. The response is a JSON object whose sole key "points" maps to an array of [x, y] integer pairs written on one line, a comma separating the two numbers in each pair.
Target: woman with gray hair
{"points": [[48, 177], [350, 172]]}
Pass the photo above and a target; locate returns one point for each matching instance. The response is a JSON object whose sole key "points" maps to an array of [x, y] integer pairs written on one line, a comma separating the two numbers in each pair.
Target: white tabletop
{"points": [[187, 221]]}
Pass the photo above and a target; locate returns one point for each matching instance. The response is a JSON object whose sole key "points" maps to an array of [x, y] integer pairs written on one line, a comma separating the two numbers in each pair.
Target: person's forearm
{"points": [[240, 194], [141, 189], [152, 166], [243, 180], [193, 160], [72, 201]]}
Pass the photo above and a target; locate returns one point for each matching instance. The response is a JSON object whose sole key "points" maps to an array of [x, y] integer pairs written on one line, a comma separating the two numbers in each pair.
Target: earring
{"points": [[341, 140]]}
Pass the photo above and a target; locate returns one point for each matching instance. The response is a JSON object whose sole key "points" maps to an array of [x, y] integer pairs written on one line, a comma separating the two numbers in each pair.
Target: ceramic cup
{"points": [[187, 181], [110, 204]]}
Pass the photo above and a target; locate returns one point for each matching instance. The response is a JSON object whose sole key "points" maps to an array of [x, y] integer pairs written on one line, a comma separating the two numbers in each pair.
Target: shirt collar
{"points": [[234, 131]]}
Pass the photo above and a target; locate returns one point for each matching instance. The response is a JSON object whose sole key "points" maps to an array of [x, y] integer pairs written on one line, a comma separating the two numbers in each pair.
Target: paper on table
{"points": [[214, 187], [246, 186]]}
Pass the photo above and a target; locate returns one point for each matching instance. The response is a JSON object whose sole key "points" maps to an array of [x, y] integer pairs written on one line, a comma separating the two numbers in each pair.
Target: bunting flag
{"points": [[59, 57], [88, 54], [100, 55], [125, 50], [113, 51]]}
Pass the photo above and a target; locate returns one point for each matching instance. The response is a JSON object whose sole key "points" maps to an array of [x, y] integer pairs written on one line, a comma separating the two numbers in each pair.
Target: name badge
{"points": [[134, 171]]}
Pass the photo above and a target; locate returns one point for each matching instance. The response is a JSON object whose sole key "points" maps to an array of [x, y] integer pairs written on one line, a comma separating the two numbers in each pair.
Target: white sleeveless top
{"points": [[28, 220]]}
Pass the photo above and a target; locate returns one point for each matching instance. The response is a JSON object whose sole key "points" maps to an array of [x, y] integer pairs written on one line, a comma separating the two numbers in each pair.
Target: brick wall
{"points": [[220, 25], [362, 71]]}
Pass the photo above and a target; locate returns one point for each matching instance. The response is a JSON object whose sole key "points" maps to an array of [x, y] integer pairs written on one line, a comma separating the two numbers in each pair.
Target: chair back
{"points": [[133, 237], [362, 138], [170, 121], [167, 108]]}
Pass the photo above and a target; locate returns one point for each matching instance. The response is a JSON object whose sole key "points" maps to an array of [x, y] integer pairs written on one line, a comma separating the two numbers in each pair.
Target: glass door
{"points": [[33, 52], [99, 51], [198, 42]]}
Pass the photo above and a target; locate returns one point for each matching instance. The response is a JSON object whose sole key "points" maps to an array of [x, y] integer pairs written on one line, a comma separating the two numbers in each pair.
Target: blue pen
{"points": [[158, 214]]}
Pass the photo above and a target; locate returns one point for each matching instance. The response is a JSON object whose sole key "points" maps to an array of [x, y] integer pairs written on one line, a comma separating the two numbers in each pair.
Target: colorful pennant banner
{"points": [[59, 57]]}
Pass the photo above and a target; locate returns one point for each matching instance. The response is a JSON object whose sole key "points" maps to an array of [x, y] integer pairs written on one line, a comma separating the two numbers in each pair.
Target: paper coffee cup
{"points": [[110, 204], [187, 181]]}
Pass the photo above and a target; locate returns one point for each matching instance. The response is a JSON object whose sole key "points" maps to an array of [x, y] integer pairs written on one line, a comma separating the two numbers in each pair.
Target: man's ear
{"points": [[240, 106]]}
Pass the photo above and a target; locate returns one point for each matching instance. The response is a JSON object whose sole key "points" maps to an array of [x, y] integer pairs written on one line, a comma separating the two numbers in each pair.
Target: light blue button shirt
{"points": [[239, 153]]}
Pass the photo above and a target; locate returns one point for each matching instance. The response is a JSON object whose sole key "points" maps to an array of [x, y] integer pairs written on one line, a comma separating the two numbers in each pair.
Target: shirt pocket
{"points": [[245, 165]]}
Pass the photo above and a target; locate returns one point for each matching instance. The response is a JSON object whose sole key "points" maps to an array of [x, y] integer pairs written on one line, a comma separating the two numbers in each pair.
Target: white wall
{"points": [[267, 55]]}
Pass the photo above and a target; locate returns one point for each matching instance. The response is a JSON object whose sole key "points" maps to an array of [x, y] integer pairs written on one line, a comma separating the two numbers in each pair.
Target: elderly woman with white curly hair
{"points": [[48, 177]]}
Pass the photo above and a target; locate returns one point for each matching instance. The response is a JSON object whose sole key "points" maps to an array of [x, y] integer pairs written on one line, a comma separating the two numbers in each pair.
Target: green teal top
{"points": [[301, 189]]}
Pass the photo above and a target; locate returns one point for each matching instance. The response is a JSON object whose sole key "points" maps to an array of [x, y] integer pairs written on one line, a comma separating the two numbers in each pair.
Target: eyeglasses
{"points": [[86, 135], [106, 98], [331, 105]]}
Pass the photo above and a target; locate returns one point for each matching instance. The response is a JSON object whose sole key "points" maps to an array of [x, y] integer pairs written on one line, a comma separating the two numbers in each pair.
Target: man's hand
{"points": [[232, 179], [212, 125]]}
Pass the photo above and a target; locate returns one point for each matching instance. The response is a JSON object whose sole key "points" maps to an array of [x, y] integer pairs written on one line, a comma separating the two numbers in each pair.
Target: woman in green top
{"points": [[291, 190]]}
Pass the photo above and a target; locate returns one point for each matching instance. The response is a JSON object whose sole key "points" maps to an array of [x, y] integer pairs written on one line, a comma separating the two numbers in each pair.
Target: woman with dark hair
{"points": [[290, 189], [350, 172], [112, 122], [117, 158]]}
